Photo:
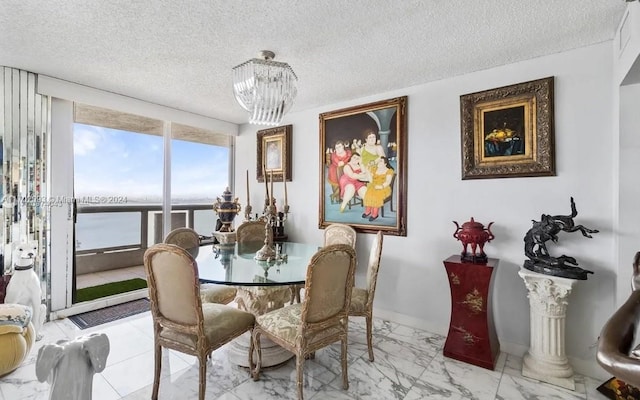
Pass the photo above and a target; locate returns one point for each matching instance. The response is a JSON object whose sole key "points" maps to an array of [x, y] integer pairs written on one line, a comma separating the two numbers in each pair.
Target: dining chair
{"points": [[250, 236], [189, 240], [340, 233], [320, 320], [186, 238], [362, 298], [181, 321], [333, 234]]}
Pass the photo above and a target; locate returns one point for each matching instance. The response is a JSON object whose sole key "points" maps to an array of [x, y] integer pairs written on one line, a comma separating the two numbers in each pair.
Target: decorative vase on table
{"points": [[473, 234], [227, 208]]}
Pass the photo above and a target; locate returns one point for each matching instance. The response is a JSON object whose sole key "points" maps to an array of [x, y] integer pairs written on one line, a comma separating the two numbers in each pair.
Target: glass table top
{"points": [[235, 265]]}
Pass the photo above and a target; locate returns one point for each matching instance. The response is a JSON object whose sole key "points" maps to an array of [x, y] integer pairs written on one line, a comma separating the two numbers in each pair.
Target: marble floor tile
{"points": [[427, 390], [472, 382], [409, 358], [408, 365], [137, 372], [277, 384], [417, 337], [102, 390], [375, 380], [591, 386]]}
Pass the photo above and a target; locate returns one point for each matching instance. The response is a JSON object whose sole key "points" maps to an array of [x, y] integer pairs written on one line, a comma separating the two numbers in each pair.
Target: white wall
{"points": [[412, 285]]}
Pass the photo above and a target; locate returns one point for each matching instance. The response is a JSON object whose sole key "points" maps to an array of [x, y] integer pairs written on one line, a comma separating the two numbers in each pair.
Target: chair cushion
{"points": [[358, 300], [284, 323], [212, 293], [221, 323], [14, 318]]}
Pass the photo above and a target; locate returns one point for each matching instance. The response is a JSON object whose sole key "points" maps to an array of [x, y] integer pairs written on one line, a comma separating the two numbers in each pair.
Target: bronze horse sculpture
{"points": [[547, 229]]}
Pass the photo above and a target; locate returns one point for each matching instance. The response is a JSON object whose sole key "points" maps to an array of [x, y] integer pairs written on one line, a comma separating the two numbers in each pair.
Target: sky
{"points": [[111, 162]]}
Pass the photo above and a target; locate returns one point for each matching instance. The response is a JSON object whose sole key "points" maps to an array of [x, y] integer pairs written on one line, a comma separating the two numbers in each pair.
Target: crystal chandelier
{"points": [[265, 88]]}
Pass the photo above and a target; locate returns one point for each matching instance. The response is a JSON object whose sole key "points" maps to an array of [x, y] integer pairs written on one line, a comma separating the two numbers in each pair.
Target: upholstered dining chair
{"points": [[362, 298], [189, 240], [339, 233], [186, 238], [333, 234], [181, 321], [321, 319], [250, 236]]}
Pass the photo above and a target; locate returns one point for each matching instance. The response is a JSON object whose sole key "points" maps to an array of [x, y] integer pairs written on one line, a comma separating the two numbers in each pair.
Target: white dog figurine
{"points": [[24, 285]]}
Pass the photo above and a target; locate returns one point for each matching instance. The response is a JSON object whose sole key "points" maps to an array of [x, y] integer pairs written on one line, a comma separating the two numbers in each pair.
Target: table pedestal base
{"points": [[548, 300], [259, 300], [272, 354]]}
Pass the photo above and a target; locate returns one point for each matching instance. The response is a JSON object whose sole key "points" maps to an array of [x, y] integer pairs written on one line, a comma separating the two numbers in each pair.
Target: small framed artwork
{"points": [[363, 159], [274, 153], [508, 131]]}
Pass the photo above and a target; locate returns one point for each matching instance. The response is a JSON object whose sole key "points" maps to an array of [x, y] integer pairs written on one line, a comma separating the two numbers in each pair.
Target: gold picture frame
{"points": [[372, 140], [274, 153], [508, 131]]}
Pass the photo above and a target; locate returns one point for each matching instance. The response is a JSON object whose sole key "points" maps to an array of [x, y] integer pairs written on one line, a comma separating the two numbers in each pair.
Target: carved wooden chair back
{"points": [[189, 240], [339, 234], [362, 298], [320, 320], [186, 238], [181, 321]]}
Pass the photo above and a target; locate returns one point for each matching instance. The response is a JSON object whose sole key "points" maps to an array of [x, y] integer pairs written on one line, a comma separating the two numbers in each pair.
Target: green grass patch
{"points": [[109, 289]]}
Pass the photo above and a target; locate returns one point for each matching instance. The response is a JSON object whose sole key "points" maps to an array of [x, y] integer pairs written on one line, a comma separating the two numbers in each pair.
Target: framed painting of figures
{"points": [[363, 159], [508, 131]]}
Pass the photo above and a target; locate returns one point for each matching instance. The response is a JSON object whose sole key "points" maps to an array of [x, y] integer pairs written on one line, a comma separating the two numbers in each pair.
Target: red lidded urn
{"points": [[473, 234]]}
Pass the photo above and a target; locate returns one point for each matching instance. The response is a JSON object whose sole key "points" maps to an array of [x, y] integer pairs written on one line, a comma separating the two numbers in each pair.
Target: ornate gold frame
{"points": [[351, 123], [280, 137], [497, 121]]}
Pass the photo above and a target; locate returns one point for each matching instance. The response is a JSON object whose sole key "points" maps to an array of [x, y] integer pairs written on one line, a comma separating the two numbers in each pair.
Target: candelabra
{"points": [[268, 251], [273, 228], [247, 212]]}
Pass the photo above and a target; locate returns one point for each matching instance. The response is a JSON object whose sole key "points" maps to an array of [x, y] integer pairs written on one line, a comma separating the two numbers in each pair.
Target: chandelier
{"points": [[265, 88]]}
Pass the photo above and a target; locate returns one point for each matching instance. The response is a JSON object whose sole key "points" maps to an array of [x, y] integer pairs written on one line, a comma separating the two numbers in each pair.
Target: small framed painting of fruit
{"points": [[508, 131]]}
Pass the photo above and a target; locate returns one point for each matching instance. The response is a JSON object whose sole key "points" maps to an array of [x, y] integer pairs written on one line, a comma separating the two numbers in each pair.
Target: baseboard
{"points": [[589, 367]]}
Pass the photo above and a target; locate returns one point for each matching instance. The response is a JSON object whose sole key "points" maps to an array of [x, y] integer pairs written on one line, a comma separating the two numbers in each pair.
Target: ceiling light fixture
{"points": [[265, 88]]}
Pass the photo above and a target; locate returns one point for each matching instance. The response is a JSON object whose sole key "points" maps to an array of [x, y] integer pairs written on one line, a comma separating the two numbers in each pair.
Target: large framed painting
{"points": [[508, 131], [363, 159], [274, 153]]}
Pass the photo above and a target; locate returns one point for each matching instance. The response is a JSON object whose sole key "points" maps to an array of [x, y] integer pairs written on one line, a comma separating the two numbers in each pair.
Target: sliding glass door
{"points": [[119, 183], [199, 174]]}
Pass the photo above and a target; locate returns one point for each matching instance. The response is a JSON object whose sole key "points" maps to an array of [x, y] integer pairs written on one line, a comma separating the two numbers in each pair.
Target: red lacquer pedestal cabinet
{"points": [[472, 335]]}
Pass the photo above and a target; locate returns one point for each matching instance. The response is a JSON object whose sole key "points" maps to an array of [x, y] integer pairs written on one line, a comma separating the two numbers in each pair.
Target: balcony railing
{"points": [[116, 236]]}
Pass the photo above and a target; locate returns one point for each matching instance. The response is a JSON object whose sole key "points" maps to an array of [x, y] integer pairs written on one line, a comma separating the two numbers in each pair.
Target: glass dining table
{"points": [[235, 264], [261, 286]]}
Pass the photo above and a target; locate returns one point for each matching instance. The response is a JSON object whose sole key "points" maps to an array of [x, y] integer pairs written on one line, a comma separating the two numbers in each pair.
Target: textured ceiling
{"points": [[180, 53]]}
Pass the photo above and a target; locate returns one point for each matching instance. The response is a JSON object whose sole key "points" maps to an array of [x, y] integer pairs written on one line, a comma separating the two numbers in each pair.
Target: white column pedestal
{"points": [[548, 299]]}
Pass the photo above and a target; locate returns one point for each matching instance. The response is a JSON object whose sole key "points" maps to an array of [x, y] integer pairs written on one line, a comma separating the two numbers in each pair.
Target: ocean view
{"points": [[100, 230]]}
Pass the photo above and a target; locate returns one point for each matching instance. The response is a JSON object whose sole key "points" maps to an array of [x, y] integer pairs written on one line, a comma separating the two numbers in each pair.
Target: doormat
{"points": [[109, 314], [109, 289], [616, 389]]}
